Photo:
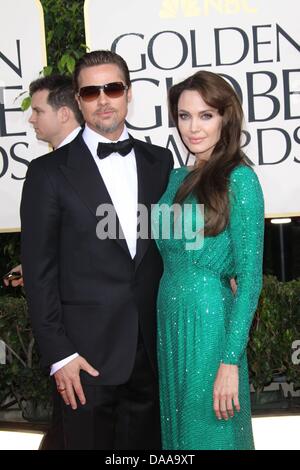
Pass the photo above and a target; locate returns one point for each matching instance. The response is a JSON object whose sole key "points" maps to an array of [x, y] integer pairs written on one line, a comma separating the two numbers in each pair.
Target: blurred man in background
{"points": [[57, 120]]}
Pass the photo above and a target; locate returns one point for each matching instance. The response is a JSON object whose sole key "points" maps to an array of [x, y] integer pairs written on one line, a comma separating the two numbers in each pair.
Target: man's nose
{"points": [[102, 98], [31, 118]]}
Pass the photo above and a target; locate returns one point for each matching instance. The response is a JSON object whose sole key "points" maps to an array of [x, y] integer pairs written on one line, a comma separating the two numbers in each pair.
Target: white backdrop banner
{"points": [[22, 57], [254, 44]]}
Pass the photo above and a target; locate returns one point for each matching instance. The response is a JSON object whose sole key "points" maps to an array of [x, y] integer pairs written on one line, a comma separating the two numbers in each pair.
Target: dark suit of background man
{"points": [[93, 301], [57, 120]]}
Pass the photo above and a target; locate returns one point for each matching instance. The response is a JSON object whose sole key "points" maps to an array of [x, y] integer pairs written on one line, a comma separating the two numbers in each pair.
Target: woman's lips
{"points": [[196, 141]]}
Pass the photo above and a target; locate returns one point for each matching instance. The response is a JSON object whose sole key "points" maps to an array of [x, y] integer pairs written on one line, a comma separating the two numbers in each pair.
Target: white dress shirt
{"points": [[120, 178], [70, 137]]}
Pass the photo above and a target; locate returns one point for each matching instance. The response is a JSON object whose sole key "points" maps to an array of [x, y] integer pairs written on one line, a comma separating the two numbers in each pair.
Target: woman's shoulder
{"points": [[242, 172], [176, 178], [182, 170], [178, 174], [244, 185], [243, 175]]}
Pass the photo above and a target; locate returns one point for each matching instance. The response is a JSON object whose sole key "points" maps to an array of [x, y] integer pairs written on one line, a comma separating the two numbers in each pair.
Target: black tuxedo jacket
{"points": [[87, 295]]}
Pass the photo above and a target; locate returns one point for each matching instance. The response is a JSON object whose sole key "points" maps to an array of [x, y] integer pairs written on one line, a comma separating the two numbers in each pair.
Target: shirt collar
{"points": [[70, 137], [92, 138]]}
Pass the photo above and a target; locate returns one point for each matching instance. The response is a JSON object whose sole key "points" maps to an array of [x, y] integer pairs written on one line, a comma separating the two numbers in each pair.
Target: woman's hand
{"points": [[226, 391]]}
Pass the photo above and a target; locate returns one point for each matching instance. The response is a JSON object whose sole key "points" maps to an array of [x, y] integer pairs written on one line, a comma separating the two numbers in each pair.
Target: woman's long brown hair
{"points": [[209, 182]]}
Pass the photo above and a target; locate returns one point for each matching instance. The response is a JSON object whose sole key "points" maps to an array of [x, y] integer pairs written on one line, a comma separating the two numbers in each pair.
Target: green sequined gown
{"points": [[201, 323]]}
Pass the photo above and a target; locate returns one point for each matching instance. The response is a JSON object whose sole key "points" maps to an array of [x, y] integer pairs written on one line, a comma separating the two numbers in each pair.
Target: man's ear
{"points": [[78, 101], [64, 114], [129, 94]]}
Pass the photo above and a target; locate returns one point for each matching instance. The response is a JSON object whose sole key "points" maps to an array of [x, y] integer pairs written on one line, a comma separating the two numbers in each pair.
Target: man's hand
{"points": [[68, 380], [226, 391], [15, 277]]}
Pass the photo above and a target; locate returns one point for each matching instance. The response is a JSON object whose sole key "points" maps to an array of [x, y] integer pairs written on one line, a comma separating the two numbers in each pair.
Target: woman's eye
{"points": [[207, 116], [183, 116]]}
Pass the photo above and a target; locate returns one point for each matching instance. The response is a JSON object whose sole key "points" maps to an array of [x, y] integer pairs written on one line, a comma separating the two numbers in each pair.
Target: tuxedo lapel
{"points": [[82, 173], [146, 176]]}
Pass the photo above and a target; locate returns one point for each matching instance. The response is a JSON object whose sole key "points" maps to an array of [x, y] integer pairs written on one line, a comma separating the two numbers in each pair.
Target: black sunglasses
{"points": [[112, 90]]}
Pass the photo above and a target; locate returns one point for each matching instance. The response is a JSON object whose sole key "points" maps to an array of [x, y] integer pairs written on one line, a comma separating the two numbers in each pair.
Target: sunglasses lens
{"points": [[114, 90], [92, 92], [89, 93]]}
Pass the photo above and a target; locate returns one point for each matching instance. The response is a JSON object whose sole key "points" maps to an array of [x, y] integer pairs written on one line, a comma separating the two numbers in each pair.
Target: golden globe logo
{"points": [[164, 41], [191, 8]]}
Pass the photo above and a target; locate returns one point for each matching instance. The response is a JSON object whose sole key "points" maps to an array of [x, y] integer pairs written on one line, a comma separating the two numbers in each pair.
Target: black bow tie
{"points": [[122, 147]]}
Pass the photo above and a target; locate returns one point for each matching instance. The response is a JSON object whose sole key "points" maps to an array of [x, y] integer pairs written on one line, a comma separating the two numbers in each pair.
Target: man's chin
{"points": [[107, 129], [41, 138]]}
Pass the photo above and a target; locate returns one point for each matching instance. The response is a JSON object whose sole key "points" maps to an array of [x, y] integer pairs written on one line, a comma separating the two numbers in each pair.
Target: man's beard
{"points": [[107, 129]]}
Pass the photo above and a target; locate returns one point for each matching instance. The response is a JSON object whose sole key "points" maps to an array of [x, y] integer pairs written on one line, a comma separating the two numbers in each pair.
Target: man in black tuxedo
{"points": [[92, 290], [57, 120]]}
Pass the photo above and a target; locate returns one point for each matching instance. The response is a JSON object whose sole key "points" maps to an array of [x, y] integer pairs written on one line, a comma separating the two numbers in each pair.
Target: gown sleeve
{"points": [[246, 227]]}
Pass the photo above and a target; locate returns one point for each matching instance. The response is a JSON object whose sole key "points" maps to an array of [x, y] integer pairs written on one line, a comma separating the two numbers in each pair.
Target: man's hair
{"points": [[61, 93], [101, 57]]}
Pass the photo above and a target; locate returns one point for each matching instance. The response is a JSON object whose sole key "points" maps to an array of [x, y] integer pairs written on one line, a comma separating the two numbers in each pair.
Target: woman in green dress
{"points": [[202, 325]]}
